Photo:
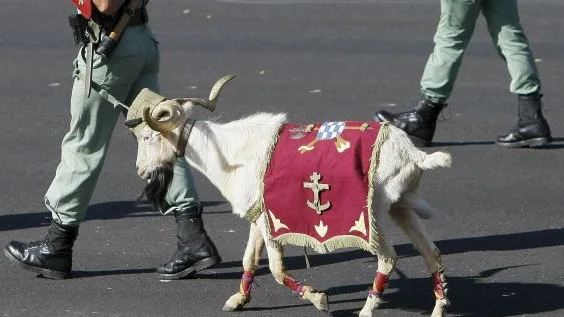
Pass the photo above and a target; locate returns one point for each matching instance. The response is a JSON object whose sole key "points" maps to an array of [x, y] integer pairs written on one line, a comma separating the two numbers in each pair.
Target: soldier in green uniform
{"points": [[132, 66], [454, 31]]}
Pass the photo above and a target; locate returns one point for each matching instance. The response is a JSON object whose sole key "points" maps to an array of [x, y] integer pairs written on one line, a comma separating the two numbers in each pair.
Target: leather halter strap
{"points": [[183, 140]]}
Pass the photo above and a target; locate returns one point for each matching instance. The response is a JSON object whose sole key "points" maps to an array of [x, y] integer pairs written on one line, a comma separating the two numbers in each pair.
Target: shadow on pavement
{"points": [[85, 274], [102, 211], [557, 143], [468, 295], [503, 242]]}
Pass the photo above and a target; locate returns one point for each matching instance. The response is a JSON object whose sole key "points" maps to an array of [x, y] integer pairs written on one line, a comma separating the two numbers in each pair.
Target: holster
{"points": [[84, 31], [79, 26]]}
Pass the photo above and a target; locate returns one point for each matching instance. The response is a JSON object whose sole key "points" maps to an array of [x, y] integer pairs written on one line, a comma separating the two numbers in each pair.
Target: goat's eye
{"points": [[145, 138]]}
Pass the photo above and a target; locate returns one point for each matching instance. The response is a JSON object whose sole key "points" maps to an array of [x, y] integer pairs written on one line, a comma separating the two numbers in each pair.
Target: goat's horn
{"points": [[163, 110], [214, 94], [197, 101], [218, 86]]}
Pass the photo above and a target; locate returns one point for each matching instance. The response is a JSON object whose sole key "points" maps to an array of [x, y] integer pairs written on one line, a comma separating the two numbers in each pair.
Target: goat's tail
{"points": [[434, 160]]}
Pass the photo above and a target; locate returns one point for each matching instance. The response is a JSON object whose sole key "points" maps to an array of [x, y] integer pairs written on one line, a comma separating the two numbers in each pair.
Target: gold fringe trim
{"points": [[383, 135], [339, 242], [258, 207]]}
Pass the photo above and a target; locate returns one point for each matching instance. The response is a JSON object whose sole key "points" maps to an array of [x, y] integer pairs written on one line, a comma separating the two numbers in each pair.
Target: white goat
{"points": [[231, 156]]}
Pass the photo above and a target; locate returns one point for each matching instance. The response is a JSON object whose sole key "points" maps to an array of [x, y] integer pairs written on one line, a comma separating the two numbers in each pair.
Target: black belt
{"points": [[108, 22], [139, 17]]}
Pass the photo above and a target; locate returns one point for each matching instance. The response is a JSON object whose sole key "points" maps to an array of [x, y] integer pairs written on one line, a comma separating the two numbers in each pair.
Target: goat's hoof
{"points": [[318, 299], [440, 307], [365, 313], [236, 302], [228, 308], [372, 302]]}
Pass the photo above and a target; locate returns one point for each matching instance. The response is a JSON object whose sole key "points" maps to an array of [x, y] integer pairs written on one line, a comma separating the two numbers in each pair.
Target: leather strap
{"points": [[183, 140], [108, 22], [88, 76]]}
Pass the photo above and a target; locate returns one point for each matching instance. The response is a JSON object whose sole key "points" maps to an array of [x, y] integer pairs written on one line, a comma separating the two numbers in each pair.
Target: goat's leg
{"points": [[250, 263], [276, 264], [414, 229], [387, 259]]}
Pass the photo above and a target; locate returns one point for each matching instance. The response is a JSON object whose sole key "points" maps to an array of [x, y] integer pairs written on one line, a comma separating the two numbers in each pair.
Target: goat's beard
{"points": [[158, 185]]}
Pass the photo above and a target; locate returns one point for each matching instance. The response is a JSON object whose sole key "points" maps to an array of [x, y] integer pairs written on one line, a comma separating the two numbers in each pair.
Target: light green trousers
{"points": [[133, 66], [454, 31]]}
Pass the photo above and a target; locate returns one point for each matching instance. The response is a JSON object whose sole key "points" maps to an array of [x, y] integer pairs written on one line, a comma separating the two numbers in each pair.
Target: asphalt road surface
{"points": [[498, 219]]}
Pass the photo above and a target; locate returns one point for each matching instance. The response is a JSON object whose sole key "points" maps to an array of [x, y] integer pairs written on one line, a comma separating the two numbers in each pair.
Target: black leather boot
{"points": [[51, 257], [532, 129], [195, 250], [419, 123]]}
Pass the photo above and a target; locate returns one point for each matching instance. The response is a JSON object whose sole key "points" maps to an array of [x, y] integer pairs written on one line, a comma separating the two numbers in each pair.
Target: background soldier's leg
{"points": [[454, 31], [532, 129], [512, 45]]}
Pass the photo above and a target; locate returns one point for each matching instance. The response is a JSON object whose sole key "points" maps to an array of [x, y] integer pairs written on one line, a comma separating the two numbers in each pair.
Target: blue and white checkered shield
{"points": [[330, 130]]}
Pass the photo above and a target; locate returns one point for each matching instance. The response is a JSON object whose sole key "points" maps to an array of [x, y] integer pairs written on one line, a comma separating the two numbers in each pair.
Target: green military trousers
{"points": [[134, 65], [455, 28]]}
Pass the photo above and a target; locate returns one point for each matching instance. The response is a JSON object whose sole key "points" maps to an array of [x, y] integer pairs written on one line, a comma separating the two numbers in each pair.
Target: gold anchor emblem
{"points": [[317, 187]]}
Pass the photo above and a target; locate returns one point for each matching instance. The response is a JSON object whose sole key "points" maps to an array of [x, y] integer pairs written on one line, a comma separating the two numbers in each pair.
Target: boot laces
{"points": [[405, 115], [38, 243]]}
